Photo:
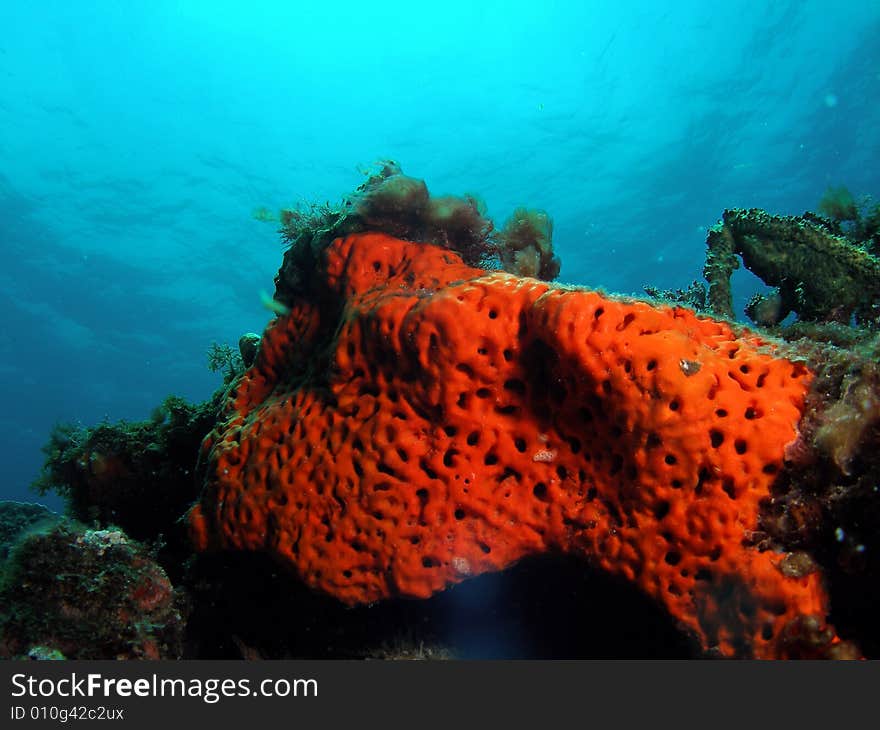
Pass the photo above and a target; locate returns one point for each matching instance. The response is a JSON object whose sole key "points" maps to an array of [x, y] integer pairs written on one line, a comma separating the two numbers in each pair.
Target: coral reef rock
{"points": [[818, 274], [87, 594], [138, 476]]}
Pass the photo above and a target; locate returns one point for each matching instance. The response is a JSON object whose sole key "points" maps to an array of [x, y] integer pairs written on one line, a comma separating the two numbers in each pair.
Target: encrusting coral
{"points": [[415, 421]]}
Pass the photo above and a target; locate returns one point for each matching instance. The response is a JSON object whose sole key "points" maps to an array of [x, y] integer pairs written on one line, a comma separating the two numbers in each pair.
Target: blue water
{"points": [[137, 137]]}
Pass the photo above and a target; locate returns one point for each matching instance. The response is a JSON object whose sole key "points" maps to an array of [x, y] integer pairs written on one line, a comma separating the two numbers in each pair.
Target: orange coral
{"points": [[428, 421]]}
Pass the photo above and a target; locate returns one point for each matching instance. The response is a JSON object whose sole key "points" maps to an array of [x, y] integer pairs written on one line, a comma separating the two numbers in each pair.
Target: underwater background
{"points": [[138, 138]]}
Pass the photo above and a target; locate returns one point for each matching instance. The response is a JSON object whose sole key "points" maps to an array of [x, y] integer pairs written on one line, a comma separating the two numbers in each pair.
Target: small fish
{"points": [[273, 305]]}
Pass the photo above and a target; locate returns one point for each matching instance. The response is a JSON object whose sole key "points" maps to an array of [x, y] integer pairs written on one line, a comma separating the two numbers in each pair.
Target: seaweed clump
{"points": [[140, 476], [858, 220], [224, 359], [838, 204], [401, 206], [527, 249]]}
